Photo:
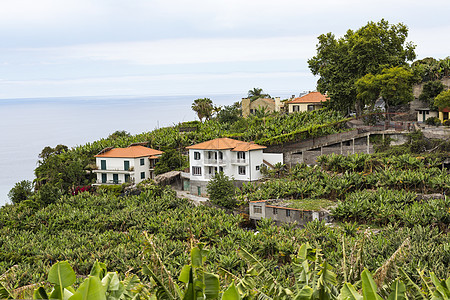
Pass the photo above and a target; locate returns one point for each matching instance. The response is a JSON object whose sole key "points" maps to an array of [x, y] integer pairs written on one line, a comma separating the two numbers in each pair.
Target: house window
{"points": [[142, 162], [126, 165], [212, 170], [275, 211], [296, 108], [116, 178], [220, 155], [257, 168], [241, 170], [288, 212], [104, 177], [142, 175], [197, 171], [103, 164], [127, 178], [196, 155], [220, 169], [241, 155], [257, 209], [310, 107]]}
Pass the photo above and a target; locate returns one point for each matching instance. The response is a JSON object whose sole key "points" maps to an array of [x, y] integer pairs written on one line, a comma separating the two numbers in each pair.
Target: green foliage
{"points": [[442, 100], [430, 90], [21, 191], [341, 62], [230, 113], [221, 190], [99, 285], [171, 160], [433, 121], [431, 69], [393, 84], [119, 134], [257, 93], [204, 108]]}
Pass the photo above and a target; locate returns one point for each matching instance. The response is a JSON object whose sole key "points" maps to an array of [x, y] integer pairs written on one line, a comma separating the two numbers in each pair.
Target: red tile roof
{"points": [[226, 143], [131, 152], [445, 109], [313, 97]]}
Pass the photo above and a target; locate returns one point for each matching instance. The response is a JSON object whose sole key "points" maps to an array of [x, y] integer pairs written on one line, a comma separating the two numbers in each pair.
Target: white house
{"points": [[237, 159], [131, 164]]}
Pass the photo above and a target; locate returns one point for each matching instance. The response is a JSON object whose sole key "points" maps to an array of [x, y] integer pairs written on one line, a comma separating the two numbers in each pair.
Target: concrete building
{"points": [[268, 104], [424, 113], [237, 159], [131, 164], [280, 213], [308, 102]]}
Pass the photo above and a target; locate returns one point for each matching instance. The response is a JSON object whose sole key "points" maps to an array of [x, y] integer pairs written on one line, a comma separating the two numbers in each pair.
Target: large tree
{"points": [[442, 100], [394, 85], [256, 93], [430, 90], [204, 108], [339, 63]]}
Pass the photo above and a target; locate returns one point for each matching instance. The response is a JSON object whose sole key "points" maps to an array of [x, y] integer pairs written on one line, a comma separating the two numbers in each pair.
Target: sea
{"points": [[29, 125]]}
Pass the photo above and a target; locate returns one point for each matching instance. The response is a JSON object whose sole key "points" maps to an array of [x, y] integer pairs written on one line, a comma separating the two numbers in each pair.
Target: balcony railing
{"points": [[120, 170], [239, 161], [110, 182], [213, 161]]}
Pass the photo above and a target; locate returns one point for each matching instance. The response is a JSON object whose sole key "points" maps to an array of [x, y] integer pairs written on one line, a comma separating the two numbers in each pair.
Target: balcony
{"points": [[209, 176], [242, 162], [214, 162], [115, 170], [108, 182]]}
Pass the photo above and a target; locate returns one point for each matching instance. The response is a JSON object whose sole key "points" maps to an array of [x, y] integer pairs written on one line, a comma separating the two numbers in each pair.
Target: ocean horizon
{"points": [[30, 124]]}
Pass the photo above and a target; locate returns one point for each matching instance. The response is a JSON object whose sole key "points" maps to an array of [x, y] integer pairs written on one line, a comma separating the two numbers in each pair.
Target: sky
{"points": [[58, 48]]}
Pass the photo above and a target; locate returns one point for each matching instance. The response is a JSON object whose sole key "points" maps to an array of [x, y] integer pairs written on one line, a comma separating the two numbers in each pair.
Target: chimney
{"points": [[277, 103]]}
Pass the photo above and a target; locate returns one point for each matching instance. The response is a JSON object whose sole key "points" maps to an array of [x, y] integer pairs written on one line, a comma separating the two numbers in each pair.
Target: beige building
{"points": [[308, 102], [268, 104]]}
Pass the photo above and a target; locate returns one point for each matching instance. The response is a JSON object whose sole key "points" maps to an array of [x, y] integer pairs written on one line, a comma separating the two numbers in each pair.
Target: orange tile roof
{"points": [[131, 152], [226, 143], [313, 97]]}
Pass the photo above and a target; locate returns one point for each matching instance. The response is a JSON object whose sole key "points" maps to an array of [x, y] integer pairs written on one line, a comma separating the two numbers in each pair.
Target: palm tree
{"points": [[256, 93], [204, 108]]}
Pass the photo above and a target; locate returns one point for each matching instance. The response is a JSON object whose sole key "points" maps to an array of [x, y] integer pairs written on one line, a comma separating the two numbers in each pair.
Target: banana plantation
{"points": [[389, 239]]}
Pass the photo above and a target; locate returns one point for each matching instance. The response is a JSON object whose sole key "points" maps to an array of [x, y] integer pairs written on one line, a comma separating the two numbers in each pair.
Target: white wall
{"points": [[429, 115], [273, 158], [117, 164], [253, 159]]}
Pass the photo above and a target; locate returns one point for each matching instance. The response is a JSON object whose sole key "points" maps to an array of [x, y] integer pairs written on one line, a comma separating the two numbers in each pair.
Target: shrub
{"points": [[21, 191], [433, 121], [221, 190], [446, 122]]}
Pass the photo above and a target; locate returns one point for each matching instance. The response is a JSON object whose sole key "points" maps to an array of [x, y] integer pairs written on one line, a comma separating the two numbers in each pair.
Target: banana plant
{"points": [[100, 285]]}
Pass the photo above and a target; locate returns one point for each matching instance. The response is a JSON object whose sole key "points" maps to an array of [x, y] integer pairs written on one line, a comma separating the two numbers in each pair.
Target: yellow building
{"points": [[268, 104], [310, 101], [444, 114]]}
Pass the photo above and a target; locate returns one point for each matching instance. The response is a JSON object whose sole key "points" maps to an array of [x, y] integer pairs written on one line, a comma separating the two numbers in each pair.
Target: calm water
{"points": [[28, 125]]}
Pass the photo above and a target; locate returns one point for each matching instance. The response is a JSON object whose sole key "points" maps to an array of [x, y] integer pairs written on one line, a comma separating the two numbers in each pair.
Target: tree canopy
{"points": [[393, 84], [339, 63], [204, 108], [256, 93], [442, 100], [430, 90]]}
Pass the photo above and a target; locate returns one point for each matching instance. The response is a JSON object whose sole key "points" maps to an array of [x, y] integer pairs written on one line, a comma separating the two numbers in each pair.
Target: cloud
{"points": [[186, 51]]}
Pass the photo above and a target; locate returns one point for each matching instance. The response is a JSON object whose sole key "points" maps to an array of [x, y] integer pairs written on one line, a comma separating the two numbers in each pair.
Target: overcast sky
{"points": [[179, 47]]}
